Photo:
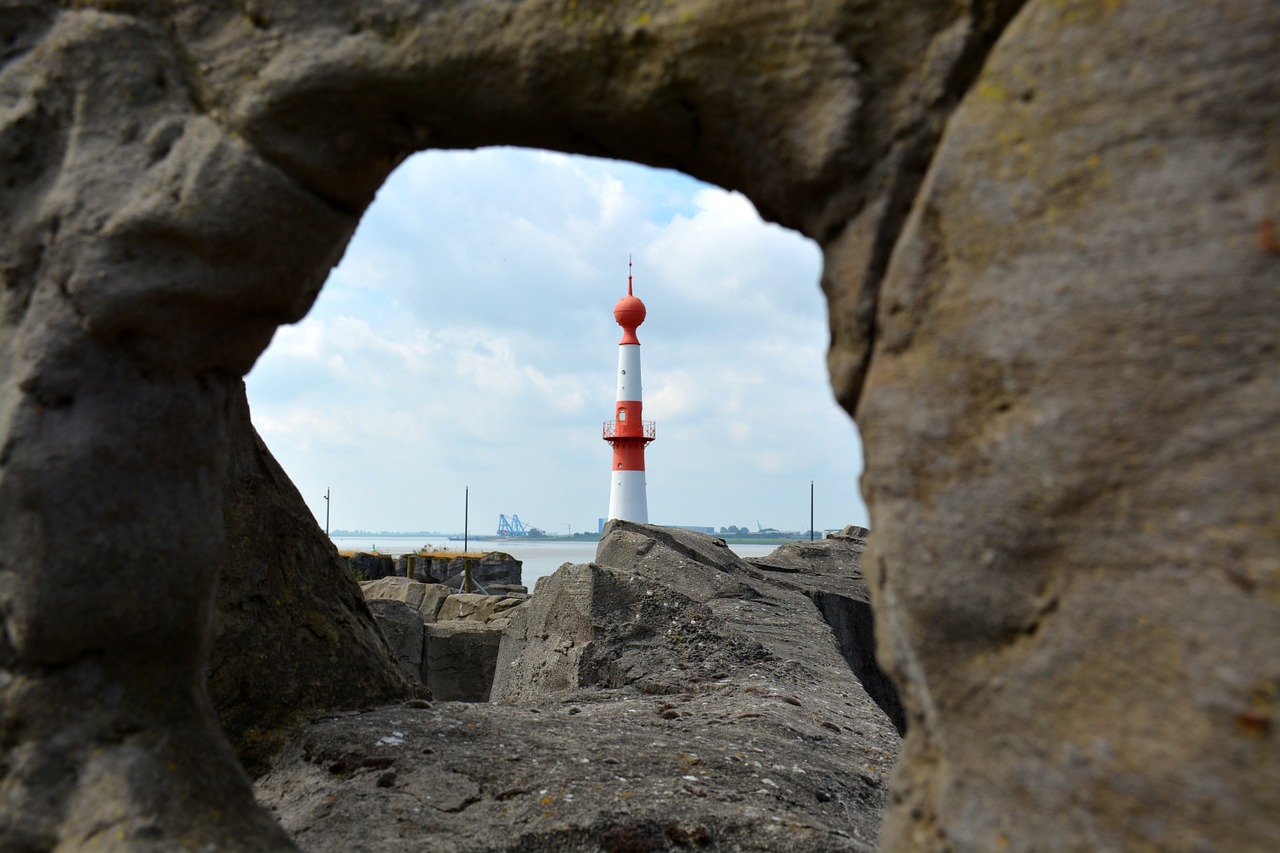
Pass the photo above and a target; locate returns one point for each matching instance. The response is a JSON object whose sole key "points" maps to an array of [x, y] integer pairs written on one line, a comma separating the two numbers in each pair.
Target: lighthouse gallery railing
{"points": [[611, 431]]}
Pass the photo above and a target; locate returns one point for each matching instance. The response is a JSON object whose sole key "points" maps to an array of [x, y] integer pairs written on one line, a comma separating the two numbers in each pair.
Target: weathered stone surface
{"points": [[672, 728], [459, 660], [674, 557], [428, 570], [1061, 350], [496, 567], [425, 598], [853, 623], [436, 602], [1071, 431], [837, 559], [829, 572], [402, 627], [292, 634], [372, 567], [533, 663], [493, 567], [479, 608], [405, 566], [578, 775], [447, 642], [851, 532], [658, 609]]}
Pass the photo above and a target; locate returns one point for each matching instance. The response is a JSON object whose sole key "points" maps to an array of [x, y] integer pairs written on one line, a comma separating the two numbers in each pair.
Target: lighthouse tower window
{"points": [[622, 414]]}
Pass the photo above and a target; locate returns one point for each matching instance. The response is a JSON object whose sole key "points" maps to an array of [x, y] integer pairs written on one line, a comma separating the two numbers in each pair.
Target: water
{"points": [[539, 558]]}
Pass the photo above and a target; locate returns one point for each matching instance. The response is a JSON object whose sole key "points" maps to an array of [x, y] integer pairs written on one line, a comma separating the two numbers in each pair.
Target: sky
{"points": [[464, 351]]}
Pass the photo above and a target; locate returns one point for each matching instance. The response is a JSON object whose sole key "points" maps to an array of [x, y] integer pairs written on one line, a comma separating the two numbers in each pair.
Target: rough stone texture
{"points": [[426, 570], [662, 607], [459, 660], [678, 724], [673, 557], [405, 565], [837, 559], [494, 567], [489, 609], [436, 602], [292, 634], [447, 642], [425, 598], [402, 627], [829, 572], [1071, 431], [1061, 349], [851, 532], [372, 567]]}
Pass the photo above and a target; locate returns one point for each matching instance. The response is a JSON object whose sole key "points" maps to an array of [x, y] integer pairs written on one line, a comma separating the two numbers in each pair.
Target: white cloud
{"points": [[308, 429], [675, 395], [467, 339]]}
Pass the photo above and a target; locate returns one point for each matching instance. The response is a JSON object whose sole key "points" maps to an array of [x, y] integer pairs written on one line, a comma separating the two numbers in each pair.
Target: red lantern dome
{"points": [[630, 313]]}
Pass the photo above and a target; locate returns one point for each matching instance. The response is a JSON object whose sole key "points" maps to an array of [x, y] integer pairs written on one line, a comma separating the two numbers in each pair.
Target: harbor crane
{"points": [[514, 527]]}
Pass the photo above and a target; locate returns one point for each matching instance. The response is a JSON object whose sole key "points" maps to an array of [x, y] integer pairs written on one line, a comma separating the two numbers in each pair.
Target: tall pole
{"points": [[326, 511], [811, 510], [466, 509]]}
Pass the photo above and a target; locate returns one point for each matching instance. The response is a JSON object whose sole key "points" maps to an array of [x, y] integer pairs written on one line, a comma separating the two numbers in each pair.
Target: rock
{"points": [[532, 663], [673, 724], [427, 570], [372, 567], [459, 661], [1049, 258], [494, 567], [829, 572], [852, 532], [292, 635], [497, 567], [407, 566], [1070, 423], [425, 598], [435, 602], [853, 622], [668, 556], [660, 613], [455, 652], [403, 628], [478, 608], [838, 558]]}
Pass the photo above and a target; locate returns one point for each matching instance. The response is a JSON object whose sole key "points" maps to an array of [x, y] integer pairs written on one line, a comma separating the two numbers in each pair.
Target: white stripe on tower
{"points": [[629, 373]]}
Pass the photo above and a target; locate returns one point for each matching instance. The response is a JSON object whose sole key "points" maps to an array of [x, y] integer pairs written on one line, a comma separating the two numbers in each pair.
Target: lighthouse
{"points": [[628, 432]]}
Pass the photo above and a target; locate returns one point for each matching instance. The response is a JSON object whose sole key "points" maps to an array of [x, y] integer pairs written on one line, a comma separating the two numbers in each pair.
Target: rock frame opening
{"points": [[1052, 312]]}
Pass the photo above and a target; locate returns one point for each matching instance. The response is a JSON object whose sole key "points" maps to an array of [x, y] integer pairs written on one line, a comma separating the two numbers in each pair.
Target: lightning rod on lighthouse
{"points": [[628, 432]]}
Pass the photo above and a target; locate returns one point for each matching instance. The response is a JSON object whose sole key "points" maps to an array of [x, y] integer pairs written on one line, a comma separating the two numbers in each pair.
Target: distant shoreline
{"points": [[581, 537]]}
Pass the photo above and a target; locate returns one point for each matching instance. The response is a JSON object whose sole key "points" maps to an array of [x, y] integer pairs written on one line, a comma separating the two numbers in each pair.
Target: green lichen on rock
{"points": [[293, 634]]}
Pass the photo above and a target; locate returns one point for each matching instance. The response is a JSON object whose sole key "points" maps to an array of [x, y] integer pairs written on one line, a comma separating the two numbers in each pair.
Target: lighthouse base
{"points": [[627, 497]]}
